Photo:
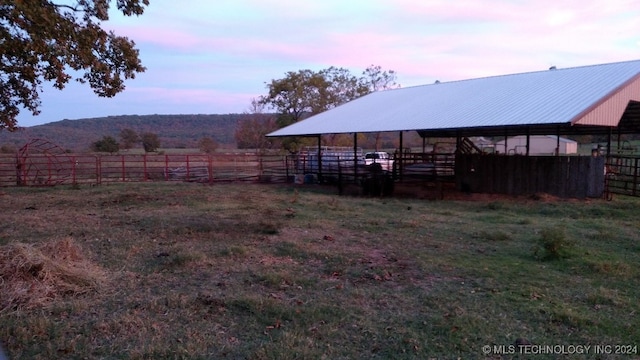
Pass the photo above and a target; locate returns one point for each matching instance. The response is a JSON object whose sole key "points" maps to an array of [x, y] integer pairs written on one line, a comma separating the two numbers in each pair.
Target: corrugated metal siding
{"points": [[543, 97], [610, 111]]}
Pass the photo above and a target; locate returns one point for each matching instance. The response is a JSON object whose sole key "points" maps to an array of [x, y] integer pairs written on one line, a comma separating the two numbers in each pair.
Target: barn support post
{"points": [[401, 167], [609, 141], [635, 177], [528, 141], [506, 141], [319, 158], [340, 184], [355, 156], [558, 141]]}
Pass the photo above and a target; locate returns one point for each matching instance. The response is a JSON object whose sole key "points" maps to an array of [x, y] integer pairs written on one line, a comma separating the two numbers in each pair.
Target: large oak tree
{"points": [[48, 41], [253, 126], [129, 138], [306, 92], [106, 144], [150, 142]]}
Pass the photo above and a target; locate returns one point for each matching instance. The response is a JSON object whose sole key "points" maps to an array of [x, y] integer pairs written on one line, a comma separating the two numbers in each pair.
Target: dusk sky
{"points": [[213, 57]]}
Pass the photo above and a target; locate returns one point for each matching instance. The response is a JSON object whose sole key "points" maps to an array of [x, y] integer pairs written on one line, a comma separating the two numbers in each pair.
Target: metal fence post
{"points": [[188, 169], [166, 167], [124, 172], [98, 170], [145, 175], [73, 170], [210, 168]]}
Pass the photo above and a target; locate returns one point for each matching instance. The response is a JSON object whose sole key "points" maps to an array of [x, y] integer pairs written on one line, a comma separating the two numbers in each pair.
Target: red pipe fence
{"points": [[43, 169]]}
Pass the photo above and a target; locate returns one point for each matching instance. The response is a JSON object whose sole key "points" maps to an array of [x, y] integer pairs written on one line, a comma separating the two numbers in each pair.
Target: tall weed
{"points": [[553, 244]]}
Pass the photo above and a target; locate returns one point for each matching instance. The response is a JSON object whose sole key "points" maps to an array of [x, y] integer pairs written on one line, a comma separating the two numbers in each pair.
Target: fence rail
{"points": [[622, 171], [46, 169]]}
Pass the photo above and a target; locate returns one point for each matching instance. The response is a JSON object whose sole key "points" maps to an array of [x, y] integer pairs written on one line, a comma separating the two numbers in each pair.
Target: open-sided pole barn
{"points": [[587, 100]]}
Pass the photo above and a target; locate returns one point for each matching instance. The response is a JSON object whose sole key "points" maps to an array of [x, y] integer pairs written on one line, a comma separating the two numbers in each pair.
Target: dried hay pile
{"points": [[31, 276]]}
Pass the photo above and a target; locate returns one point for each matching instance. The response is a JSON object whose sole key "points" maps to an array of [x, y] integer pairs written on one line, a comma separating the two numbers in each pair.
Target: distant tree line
{"points": [[175, 131]]}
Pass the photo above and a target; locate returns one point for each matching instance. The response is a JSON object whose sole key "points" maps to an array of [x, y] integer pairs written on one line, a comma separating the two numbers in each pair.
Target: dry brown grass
{"points": [[248, 271], [33, 276]]}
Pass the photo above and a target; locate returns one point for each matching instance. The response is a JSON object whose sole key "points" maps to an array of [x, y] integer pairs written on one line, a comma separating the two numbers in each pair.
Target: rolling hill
{"points": [[174, 131]]}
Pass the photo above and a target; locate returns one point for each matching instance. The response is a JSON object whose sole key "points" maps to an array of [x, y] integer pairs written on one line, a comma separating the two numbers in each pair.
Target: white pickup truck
{"points": [[380, 157]]}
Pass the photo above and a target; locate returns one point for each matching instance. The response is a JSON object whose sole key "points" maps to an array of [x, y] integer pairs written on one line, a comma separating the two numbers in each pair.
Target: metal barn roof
{"points": [[553, 101]]}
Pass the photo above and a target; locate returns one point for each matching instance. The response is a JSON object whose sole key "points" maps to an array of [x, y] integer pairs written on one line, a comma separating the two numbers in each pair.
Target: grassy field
{"points": [[178, 270]]}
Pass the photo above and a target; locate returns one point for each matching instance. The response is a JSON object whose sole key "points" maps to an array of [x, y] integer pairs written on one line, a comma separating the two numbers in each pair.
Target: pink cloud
{"points": [[216, 56]]}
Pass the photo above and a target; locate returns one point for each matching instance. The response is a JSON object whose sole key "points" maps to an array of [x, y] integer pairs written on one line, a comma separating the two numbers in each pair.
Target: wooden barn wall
{"points": [[563, 176]]}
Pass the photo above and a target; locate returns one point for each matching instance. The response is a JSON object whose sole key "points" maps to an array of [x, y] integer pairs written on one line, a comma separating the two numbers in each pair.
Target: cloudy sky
{"points": [[213, 57]]}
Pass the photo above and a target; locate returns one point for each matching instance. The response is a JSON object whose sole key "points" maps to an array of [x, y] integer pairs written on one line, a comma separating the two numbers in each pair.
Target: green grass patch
{"points": [[192, 271], [554, 244]]}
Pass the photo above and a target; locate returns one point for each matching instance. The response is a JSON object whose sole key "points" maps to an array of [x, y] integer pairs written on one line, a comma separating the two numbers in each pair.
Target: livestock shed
{"points": [[538, 145], [599, 99]]}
